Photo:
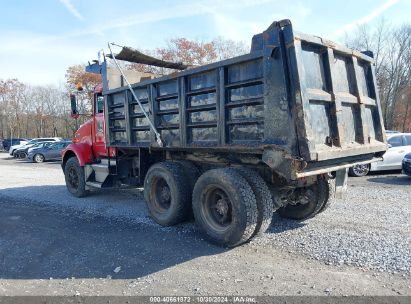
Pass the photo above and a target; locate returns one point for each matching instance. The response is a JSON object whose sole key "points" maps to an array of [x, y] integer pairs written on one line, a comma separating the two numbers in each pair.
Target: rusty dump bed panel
{"points": [[294, 93]]}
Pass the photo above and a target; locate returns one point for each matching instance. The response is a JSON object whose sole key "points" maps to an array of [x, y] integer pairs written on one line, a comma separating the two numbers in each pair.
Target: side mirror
{"points": [[389, 146], [73, 101]]}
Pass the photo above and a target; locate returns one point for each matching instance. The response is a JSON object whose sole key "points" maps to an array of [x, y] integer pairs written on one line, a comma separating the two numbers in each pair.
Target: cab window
{"points": [[395, 141], [99, 104], [407, 140]]}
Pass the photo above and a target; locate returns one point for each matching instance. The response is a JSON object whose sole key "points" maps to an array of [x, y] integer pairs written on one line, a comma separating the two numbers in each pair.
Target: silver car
{"points": [[399, 144]]}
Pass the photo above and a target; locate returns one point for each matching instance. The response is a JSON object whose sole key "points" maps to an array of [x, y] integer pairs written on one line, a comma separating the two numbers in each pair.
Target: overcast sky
{"points": [[40, 39]]}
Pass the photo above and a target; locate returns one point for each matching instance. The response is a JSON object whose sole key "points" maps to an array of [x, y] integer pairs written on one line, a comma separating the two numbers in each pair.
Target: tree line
{"points": [[40, 111], [391, 46], [33, 111]]}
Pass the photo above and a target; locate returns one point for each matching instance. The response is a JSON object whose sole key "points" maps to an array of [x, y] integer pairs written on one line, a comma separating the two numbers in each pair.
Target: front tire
{"points": [[225, 207], [167, 193], [359, 170], [38, 158], [74, 176]]}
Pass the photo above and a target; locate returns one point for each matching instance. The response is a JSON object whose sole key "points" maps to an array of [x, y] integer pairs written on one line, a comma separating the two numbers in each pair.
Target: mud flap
{"points": [[341, 178]]}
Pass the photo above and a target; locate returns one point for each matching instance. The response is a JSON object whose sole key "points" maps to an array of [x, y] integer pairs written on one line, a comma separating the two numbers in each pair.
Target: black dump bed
{"points": [[297, 100]]}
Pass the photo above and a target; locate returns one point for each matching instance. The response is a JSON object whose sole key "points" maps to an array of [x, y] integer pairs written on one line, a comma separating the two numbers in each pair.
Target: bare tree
{"points": [[392, 50]]}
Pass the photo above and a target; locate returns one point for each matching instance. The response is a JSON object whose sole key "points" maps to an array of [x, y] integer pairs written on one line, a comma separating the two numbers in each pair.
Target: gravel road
{"points": [[105, 244]]}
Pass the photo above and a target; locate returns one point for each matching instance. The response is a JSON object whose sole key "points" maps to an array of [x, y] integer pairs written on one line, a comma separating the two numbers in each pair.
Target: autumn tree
{"points": [[75, 75], [192, 53]]}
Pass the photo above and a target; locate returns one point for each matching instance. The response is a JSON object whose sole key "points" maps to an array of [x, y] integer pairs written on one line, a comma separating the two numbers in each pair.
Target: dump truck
{"points": [[231, 142]]}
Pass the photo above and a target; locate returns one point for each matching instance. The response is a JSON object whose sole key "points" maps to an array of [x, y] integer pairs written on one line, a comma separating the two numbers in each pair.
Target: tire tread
{"points": [[73, 161], [233, 177], [264, 200], [182, 205]]}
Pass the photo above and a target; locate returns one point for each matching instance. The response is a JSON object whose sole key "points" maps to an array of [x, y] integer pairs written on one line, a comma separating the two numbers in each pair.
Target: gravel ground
{"points": [[371, 228], [359, 246]]}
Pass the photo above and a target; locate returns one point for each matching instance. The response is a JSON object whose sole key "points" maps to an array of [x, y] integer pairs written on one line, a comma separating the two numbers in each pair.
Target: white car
{"points": [[15, 147], [399, 144]]}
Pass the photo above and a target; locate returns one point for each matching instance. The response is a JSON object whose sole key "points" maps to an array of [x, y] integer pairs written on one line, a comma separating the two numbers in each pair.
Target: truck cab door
{"points": [[99, 144]]}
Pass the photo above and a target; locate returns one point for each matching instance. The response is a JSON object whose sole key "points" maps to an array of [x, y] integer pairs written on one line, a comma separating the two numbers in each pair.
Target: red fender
{"points": [[82, 151]]}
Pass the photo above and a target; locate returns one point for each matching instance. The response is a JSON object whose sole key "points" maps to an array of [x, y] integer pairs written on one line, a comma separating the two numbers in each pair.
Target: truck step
{"points": [[94, 184], [100, 167], [101, 171]]}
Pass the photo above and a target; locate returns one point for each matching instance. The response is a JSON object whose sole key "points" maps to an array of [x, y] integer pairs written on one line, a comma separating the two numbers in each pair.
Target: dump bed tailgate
{"points": [[337, 109]]}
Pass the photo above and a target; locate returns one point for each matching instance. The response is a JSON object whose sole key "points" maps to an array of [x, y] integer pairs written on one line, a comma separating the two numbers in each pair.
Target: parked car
{"points": [[13, 148], [48, 152], [399, 144], [31, 143], [40, 145], [22, 152], [7, 142], [406, 164]]}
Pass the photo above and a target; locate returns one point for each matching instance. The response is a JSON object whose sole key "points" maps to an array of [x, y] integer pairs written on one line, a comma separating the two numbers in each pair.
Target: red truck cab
{"points": [[89, 140]]}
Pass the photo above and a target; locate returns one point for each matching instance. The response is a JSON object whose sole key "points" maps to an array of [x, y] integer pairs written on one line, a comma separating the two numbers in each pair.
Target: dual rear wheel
{"points": [[230, 205]]}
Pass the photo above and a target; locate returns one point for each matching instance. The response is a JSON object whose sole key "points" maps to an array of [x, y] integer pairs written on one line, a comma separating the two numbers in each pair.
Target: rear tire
{"points": [[329, 195], [264, 200], [74, 176], [225, 207], [307, 201], [359, 170], [167, 193], [38, 158], [192, 173]]}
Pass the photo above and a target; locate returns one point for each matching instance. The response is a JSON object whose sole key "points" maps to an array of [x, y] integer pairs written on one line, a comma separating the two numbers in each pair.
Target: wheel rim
{"points": [[73, 178], [161, 195], [360, 170], [217, 209], [38, 158]]}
